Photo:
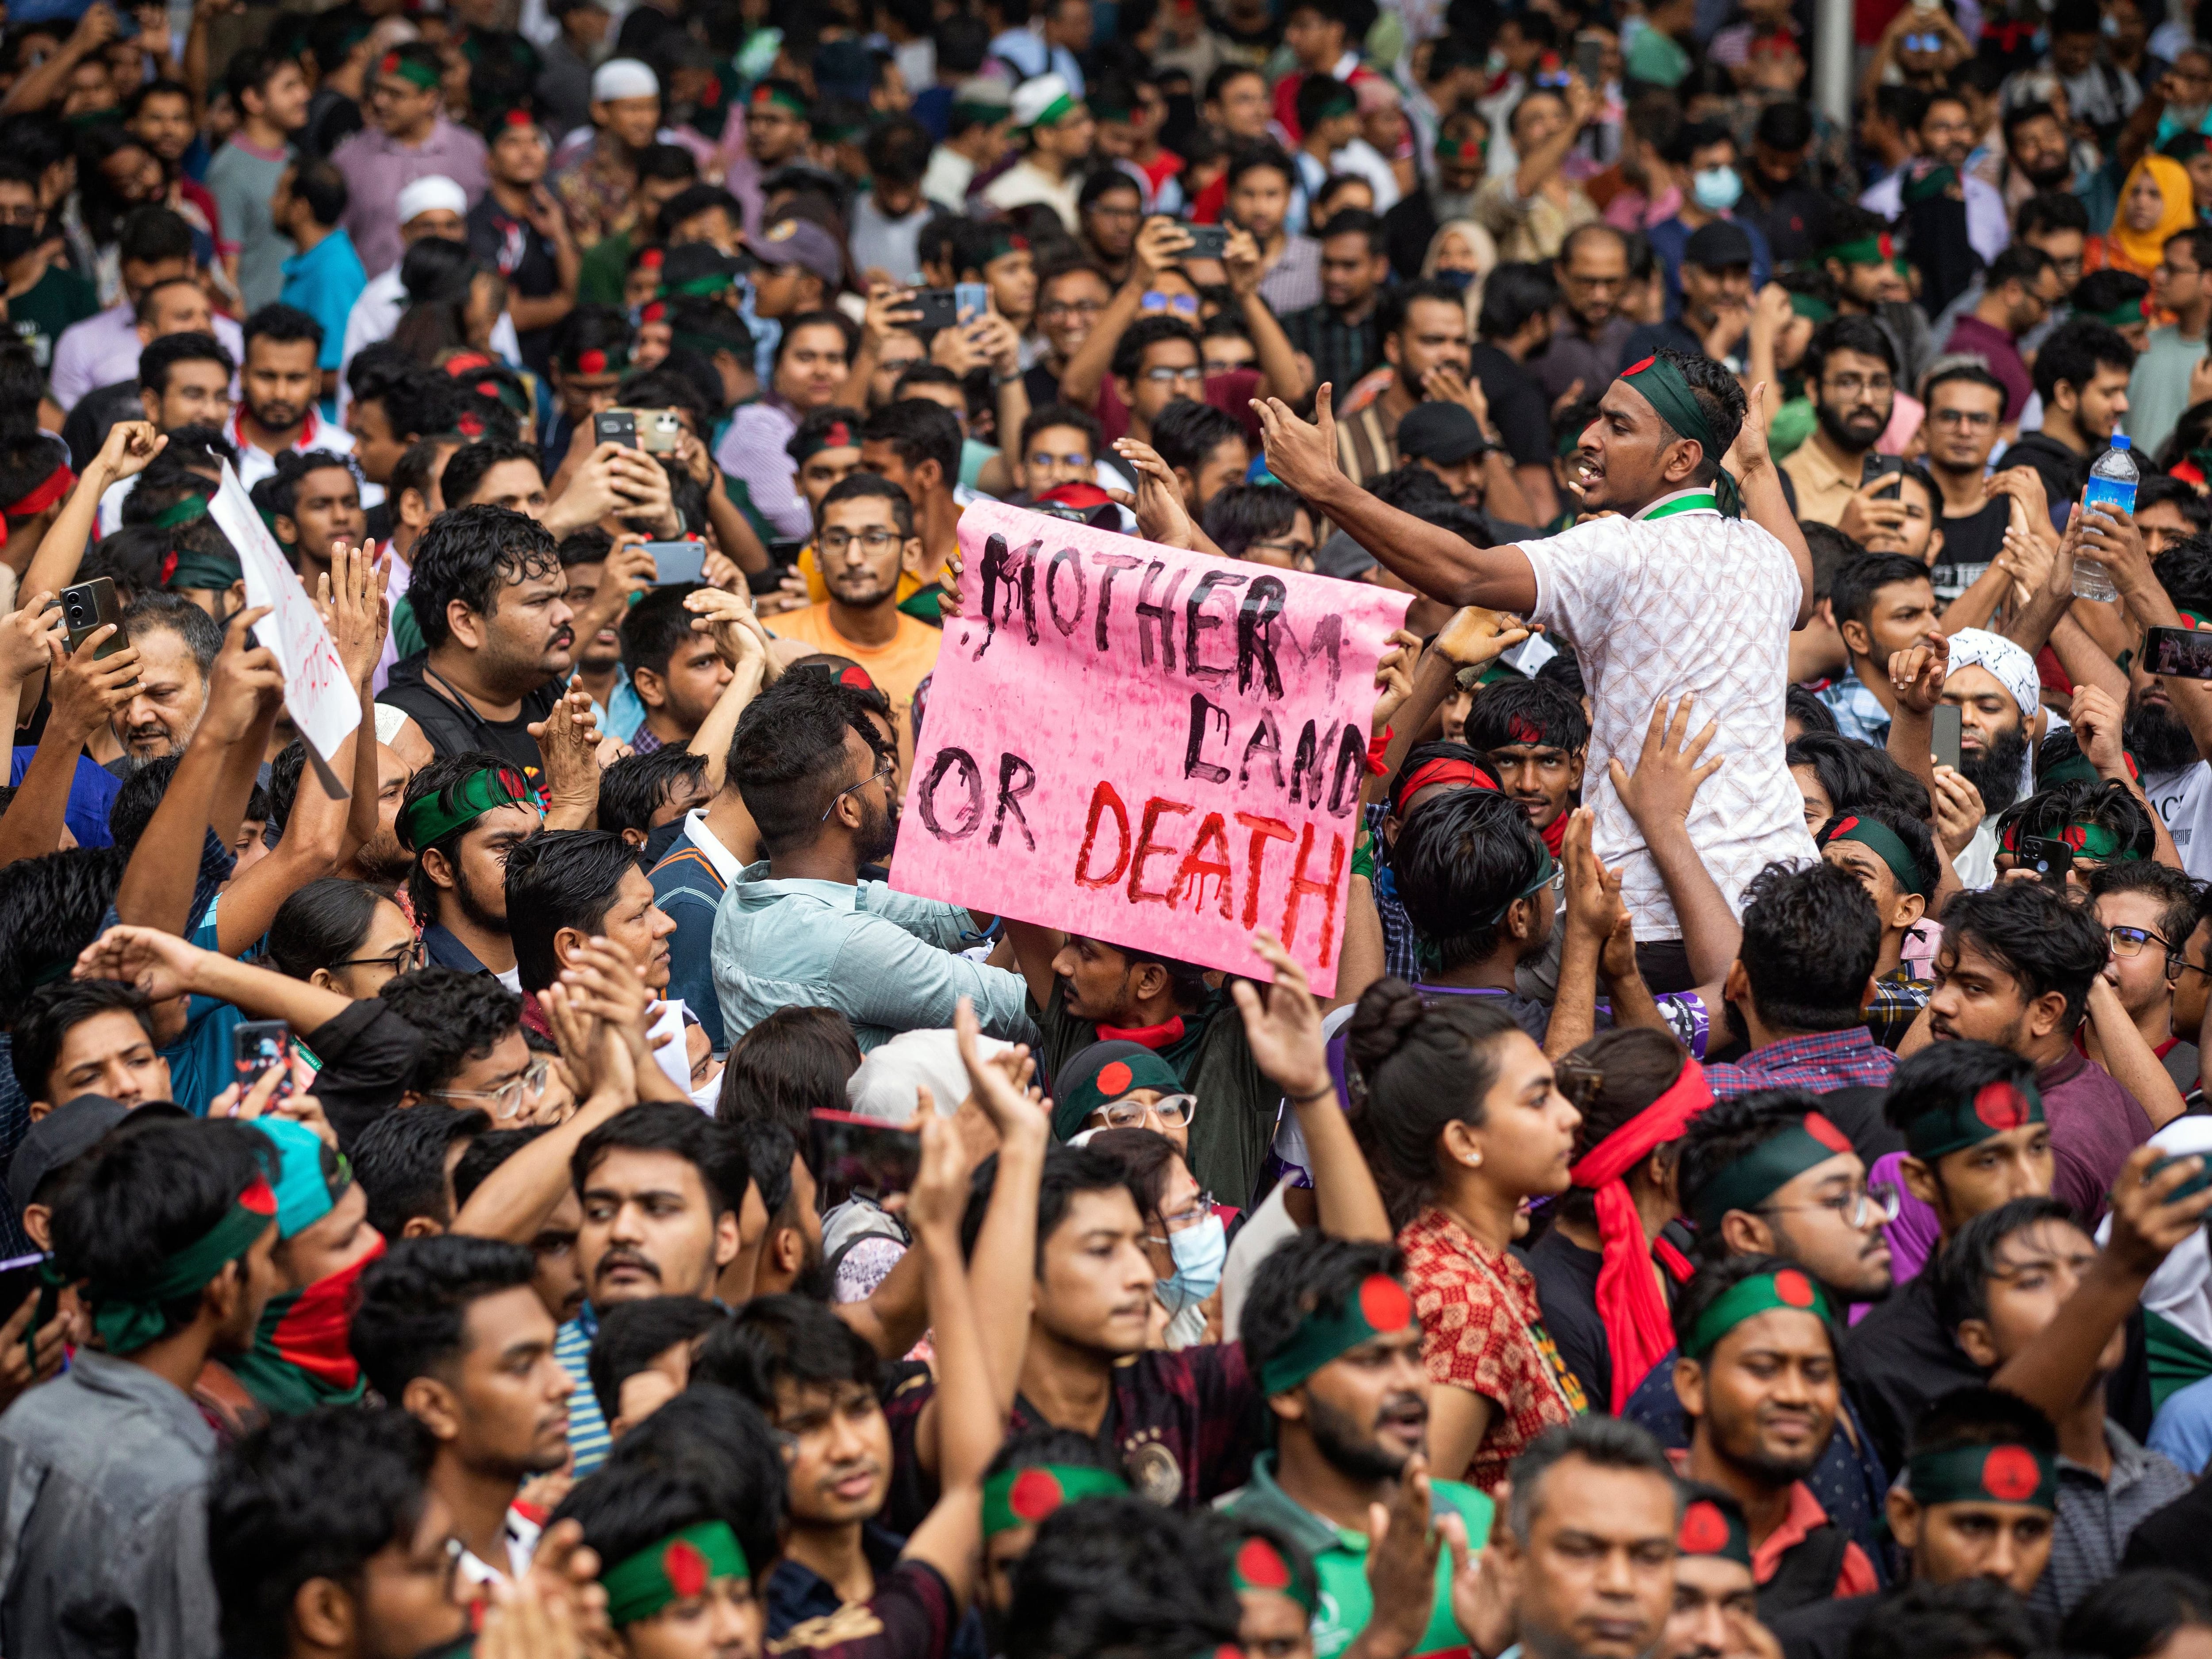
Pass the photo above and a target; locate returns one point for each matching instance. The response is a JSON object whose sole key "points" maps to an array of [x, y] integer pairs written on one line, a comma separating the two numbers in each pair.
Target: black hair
{"points": [[416, 401], [1977, 1416], [769, 1146], [2044, 942], [788, 755], [1244, 514], [1352, 221], [1813, 716], [412, 1318], [468, 466], [470, 554], [1962, 1272], [847, 329], [2134, 1615], [1944, 1073], [775, 1340], [1066, 414], [457, 1017], [1261, 153], [1715, 1277], [1120, 1576], [1394, 307], [2102, 292], [1634, 1066], [285, 325], [50, 907], [2107, 803], [1731, 1128], [1423, 1065], [1514, 711], [2159, 489], [1307, 1273], [2076, 351], [1811, 938], [1459, 864], [152, 236], [692, 201], [1512, 294], [593, 328], [666, 1126], [1142, 336], [789, 1065], [148, 1196], [2046, 210], [399, 1159], [442, 778], [484, 1156], [633, 1334], [294, 464], [637, 785], [918, 430], [2175, 889], [1970, 1619], [1927, 874], [1042, 1448], [1606, 1442], [655, 626], [418, 469], [309, 1496], [320, 924], [163, 355], [323, 188], [1855, 777], [1187, 432], [139, 798], [560, 879], [48, 1014], [1720, 399], [1068, 1170], [1850, 332]]}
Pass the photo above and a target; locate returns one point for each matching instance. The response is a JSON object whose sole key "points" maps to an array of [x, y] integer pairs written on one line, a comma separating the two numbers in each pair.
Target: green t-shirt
{"points": [[55, 301], [1794, 422], [1339, 1559]]}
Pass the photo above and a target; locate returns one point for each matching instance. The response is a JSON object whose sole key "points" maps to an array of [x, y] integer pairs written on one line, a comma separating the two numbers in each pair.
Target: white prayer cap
{"points": [[884, 1087], [429, 195], [623, 77], [1976, 648]]}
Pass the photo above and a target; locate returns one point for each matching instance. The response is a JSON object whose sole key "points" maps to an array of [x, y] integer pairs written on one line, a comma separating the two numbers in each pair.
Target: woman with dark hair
{"points": [[117, 172], [1463, 1116], [454, 301], [1184, 1234], [2150, 1614], [794, 1063], [343, 936]]}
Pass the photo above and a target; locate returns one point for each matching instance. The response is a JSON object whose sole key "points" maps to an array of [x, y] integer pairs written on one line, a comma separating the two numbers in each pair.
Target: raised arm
{"points": [[1760, 483], [162, 966], [1160, 242], [129, 445], [1278, 358], [1658, 795], [86, 691]]}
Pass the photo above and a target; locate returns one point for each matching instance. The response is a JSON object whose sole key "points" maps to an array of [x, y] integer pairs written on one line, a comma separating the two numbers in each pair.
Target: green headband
{"points": [[1380, 1307], [421, 75], [2088, 841], [1886, 844], [128, 1320], [1812, 306], [1022, 1497], [988, 115], [426, 822], [1259, 1565], [183, 511], [2003, 1474], [1662, 385], [1338, 106], [1127, 1068], [678, 1567], [702, 287], [1991, 1110], [1865, 250], [203, 570], [2130, 315], [782, 100], [1766, 1170], [1051, 113], [1708, 1528], [1785, 1287]]}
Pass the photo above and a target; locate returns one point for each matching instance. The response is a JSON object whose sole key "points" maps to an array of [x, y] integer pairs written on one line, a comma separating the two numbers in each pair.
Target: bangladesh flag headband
{"points": [[1992, 1109], [1259, 1565], [181, 511], [1982, 1474], [1785, 1287], [676, 1569], [764, 96], [1866, 251], [2125, 316], [1023, 1498], [421, 75], [2089, 840], [1765, 1168], [429, 821], [129, 1318], [1663, 387], [1885, 843], [1709, 1529], [1380, 1307]]}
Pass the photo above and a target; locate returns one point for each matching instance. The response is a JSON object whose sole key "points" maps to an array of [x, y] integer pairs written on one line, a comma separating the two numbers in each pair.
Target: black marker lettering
{"points": [[1195, 623], [1203, 714], [1072, 560], [1265, 740], [1255, 646], [1110, 563], [1010, 796], [971, 779], [1157, 613], [1350, 770], [1018, 571], [1308, 767]]}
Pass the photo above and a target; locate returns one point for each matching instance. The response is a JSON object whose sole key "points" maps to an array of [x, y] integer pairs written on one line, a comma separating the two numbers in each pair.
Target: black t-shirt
{"points": [[2173, 1537], [1517, 409], [1566, 1289], [1971, 544], [453, 728], [524, 257], [1823, 1629], [1899, 1358], [1795, 221]]}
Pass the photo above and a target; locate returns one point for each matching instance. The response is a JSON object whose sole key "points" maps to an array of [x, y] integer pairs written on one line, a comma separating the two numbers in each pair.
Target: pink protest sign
{"points": [[1149, 747]]}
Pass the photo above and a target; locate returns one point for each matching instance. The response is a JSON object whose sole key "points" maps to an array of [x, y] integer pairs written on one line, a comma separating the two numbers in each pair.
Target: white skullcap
{"points": [[1042, 100], [884, 1087], [1976, 648], [623, 77], [429, 195]]}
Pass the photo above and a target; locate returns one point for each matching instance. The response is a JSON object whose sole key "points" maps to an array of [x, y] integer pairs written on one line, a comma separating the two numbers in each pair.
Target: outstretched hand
{"points": [[1285, 1036], [1917, 675], [1301, 453]]}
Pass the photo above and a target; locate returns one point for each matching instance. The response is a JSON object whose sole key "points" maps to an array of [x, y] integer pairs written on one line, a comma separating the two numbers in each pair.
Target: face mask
{"points": [[1458, 279], [16, 240], [709, 1095], [1715, 189], [302, 1358], [1199, 1253]]}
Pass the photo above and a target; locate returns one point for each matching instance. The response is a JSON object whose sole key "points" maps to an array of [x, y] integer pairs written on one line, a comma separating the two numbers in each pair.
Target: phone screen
{"points": [[258, 1046], [2183, 652], [860, 1154], [1945, 745]]}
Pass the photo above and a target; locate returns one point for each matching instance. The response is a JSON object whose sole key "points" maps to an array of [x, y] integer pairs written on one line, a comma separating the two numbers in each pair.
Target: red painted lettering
{"points": [[1103, 800], [1303, 887], [1191, 877], [1264, 830], [1147, 848]]}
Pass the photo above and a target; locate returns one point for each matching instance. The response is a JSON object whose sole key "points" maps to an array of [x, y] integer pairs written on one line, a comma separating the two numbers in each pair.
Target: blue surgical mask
{"points": [[1716, 189], [1458, 279], [1199, 1253]]}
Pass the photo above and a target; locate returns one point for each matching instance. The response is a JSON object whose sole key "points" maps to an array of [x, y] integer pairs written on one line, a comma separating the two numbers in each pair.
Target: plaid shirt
{"points": [[1821, 1061], [1496, 1346], [912, 1615], [1898, 1000], [1341, 351], [1859, 713]]}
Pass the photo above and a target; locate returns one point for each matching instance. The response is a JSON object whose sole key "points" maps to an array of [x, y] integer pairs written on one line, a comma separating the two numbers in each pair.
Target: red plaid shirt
{"points": [[1493, 1346]]}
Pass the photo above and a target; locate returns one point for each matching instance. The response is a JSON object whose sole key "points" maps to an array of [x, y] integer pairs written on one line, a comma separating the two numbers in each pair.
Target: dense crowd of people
{"points": [[527, 1181]]}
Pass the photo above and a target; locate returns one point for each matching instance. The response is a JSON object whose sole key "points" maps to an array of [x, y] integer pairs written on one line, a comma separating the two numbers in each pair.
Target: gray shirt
{"points": [[2094, 1518], [103, 1517]]}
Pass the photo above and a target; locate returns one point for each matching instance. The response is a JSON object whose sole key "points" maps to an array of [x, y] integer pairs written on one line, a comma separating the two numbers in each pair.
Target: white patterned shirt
{"points": [[1688, 601]]}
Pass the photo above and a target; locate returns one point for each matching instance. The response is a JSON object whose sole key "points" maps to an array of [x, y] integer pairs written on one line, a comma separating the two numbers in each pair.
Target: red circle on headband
{"points": [[1113, 1076], [652, 258], [1260, 1564], [687, 1570], [2009, 1474], [1794, 1289], [1826, 1133], [390, 65], [857, 677], [2001, 1106], [1637, 368], [258, 1198], [1704, 1529], [1035, 1494], [1383, 1303], [594, 362], [519, 118]]}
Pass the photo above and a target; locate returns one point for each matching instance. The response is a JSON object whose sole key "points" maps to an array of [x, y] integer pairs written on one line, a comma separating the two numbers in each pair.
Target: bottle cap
{"points": [[2119, 441]]}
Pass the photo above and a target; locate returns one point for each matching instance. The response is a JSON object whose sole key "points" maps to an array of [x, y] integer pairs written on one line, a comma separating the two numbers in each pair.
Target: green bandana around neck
{"points": [[1259, 1565], [130, 1318], [1885, 843], [2003, 1474], [1661, 385], [1787, 1288], [1023, 1498], [1765, 1168], [431, 819], [1992, 1109], [1379, 1307], [678, 1567], [1711, 1528], [183, 511]]}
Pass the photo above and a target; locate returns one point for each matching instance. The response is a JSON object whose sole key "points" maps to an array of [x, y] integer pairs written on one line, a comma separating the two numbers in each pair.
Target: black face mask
{"points": [[16, 240]]}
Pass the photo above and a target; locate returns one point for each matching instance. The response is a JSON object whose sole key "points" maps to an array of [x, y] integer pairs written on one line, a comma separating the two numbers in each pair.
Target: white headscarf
{"points": [[2014, 669]]}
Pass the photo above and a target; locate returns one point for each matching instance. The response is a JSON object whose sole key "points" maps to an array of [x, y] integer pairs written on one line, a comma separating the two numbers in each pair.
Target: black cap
{"points": [[1441, 432], [59, 1138], [1717, 245]]}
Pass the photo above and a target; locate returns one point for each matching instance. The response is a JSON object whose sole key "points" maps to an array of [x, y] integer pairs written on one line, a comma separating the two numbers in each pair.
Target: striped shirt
{"points": [[588, 1429]]}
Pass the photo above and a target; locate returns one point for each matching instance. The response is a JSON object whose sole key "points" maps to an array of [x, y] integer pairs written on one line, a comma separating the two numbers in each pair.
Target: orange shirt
{"points": [[897, 667]]}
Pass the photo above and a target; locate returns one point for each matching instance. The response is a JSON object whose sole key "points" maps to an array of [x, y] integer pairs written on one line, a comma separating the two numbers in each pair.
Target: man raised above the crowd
{"points": [[1674, 593]]}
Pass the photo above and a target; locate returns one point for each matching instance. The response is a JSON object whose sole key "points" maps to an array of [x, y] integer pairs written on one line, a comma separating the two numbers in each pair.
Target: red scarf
{"points": [[1637, 1331], [1555, 832], [1145, 1036], [312, 1334]]}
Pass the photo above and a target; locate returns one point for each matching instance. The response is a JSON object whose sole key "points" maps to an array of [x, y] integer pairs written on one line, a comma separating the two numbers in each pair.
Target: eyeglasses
{"points": [[408, 956], [1105, 212], [2130, 941], [507, 1099], [1185, 1218], [1174, 1111], [1975, 419], [1183, 305], [883, 771], [29, 214], [835, 542], [1850, 383], [1174, 376], [1856, 1206], [1070, 308], [1292, 550]]}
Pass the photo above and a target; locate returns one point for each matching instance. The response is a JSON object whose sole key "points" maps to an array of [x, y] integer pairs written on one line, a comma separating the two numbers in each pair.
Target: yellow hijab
{"points": [[2144, 249]]}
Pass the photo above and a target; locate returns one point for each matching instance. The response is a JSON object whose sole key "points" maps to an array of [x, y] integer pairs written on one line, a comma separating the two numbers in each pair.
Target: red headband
{"points": [[1443, 769]]}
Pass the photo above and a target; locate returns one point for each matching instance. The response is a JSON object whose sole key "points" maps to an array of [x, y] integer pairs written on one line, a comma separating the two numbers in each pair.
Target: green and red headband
{"points": [[1885, 843], [600, 362], [1259, 1565], [2003, 1474], [677, 1568], [1660, 384], [128, 1318], [838, 435], [1812, 307], [1787, 1289], [781, 98], [1464, 152], [1712, 1528], [417, 74], [1994, 1109], [426, 822], [2088, 841], [1877, 250], [1023, 1498], [184, 510], [2130, 315], [1767, 1168], [1380, 1307]]}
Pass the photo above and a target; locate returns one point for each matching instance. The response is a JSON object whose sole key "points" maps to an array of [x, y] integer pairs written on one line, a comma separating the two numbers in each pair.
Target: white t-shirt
{"points": [[2183, 796], [1689, 602]]}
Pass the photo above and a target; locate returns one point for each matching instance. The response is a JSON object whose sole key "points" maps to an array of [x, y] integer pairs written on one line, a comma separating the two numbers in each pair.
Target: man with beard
{"points": [[1588, 330], [1861, 261], [279, 382], [1716, 1611], [2163, 717], [798, 927], [2038, 158], [1332, 1332], [1992, 683], [1755, 1372], [661, 1187], [1851, 370], [461, 815], [2015, 968], [177, 642], [2081, 374], [1462, 143], [449, 1330]]}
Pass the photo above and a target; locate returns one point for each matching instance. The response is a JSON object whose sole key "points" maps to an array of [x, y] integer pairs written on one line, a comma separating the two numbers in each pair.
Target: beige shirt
{"points": [[1824, 488], [1026, 182], [1530, 229]]}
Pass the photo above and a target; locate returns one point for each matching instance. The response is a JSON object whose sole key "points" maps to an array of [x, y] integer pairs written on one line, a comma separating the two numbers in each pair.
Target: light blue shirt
{"points": [[887, 961], [324, 282], [587, 1427], [2183, 1428], [1859, 713]]}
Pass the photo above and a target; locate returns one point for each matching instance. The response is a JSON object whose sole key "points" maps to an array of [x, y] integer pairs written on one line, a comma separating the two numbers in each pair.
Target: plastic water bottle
{"points": [[2111, 485]]}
